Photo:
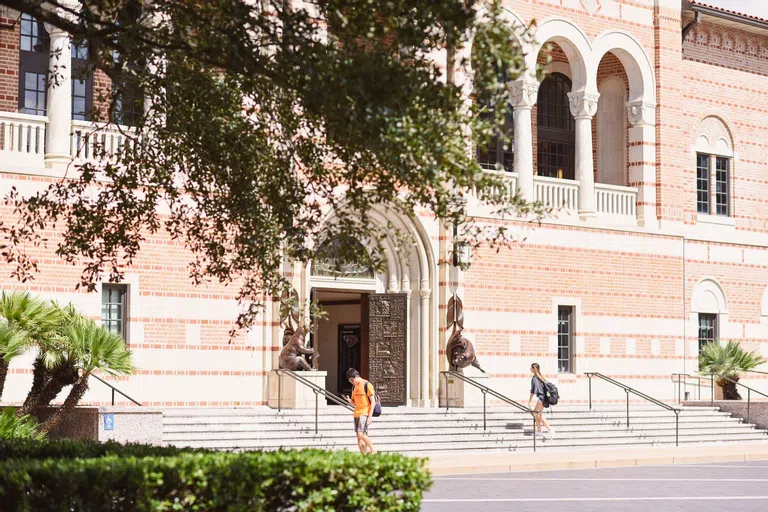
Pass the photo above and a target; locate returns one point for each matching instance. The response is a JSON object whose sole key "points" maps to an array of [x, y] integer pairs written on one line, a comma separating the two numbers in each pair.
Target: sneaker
{"points": [[550, 434]]}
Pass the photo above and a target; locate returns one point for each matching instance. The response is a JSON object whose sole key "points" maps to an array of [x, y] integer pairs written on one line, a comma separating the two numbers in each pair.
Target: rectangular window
{"points": [[34, 93], [79, 99], [564, 339], [702, 183], [498, 151], [721, 185], [707, 329], [34, 38], [129, 105], [114, 308]]}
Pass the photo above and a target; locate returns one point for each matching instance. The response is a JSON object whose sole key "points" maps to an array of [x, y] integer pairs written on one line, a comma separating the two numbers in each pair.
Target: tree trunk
{"points": [[40, 377], [730, 391], [75, 394], [63, 375], [3, 374]]}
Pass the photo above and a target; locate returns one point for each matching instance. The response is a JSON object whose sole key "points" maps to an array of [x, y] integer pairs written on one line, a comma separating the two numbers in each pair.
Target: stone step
{"points": [[420, 445]]}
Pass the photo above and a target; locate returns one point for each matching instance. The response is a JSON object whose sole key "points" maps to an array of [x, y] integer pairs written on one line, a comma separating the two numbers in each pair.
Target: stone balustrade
{"points": [[560, 194], [22, 140], [93, 142], [616, 204]]}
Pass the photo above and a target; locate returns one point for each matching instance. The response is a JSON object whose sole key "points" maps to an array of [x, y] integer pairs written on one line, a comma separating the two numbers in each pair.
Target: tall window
{"points": [[564, 339], [82, 83], [498, 151], [33, 66], [129, 101], [556, 129], [114, 308], [702, 183], [707, 328], [721, 185]]}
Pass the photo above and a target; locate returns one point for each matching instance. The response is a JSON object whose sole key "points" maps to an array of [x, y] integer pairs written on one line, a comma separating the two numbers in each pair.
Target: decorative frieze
{"points": [[523, 93]]}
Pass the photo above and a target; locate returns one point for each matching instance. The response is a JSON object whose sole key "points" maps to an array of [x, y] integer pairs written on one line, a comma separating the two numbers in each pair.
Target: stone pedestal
{"points": [[296, 395], [463, 394]]}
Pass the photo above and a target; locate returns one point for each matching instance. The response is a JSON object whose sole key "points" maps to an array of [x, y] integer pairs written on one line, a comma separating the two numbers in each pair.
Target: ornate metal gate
{"points": [[387, 333]]}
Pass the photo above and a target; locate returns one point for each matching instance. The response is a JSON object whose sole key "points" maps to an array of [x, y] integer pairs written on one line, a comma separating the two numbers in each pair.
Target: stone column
{"points": [[523, 97], [59, 101], [583, 108], [424, 295], [642, 159]]}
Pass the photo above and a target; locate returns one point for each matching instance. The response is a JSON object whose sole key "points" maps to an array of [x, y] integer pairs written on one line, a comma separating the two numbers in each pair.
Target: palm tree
{"points": [[54, 367], [95, 348], [13, 343], [32, 320], [727, 362]]}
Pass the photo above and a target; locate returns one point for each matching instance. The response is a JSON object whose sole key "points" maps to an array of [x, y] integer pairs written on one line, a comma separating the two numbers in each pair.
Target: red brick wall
{"points": [[9, 65]]}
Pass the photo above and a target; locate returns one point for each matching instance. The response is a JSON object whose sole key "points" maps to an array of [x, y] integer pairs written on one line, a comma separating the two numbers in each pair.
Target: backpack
{"points": [[377, 406], [551, 394]]}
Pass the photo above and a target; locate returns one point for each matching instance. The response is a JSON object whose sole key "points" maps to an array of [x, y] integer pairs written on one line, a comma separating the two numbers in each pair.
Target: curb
{"points": [[503, 462]]}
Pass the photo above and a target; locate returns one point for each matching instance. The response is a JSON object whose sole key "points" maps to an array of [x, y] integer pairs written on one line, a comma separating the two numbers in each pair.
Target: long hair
{"points": [[537, 371]]}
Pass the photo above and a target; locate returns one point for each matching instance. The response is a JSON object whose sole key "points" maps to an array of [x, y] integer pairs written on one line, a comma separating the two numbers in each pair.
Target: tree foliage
{"points": [[271, 126]]}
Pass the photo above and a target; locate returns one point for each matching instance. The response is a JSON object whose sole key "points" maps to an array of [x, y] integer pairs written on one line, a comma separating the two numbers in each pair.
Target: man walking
{"points": [[362, 400]]}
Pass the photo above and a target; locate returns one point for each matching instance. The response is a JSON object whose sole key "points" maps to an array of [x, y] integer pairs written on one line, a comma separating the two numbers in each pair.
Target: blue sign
{"points": [[109, 422]]}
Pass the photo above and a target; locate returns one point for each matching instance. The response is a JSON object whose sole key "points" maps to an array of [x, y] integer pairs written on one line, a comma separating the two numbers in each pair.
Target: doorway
{"points": [[340, 337]]}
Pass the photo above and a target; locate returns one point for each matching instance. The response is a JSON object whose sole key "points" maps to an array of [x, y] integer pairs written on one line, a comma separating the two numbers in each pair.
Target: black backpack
{"points": [[377, 406], [551, 394]]}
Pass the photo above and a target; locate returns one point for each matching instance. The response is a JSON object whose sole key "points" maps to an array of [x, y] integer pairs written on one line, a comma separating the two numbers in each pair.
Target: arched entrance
{"points": [[385, 321]]}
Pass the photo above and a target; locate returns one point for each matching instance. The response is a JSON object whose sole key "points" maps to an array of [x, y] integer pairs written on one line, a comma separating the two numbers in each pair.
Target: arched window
{"points": [[611, 120], [714, 162], [556, 129], [33, 66], [332, 259]]}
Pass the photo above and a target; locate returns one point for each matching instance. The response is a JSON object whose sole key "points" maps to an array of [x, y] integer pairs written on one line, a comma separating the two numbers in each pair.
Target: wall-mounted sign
{"points": [[109, 422]]}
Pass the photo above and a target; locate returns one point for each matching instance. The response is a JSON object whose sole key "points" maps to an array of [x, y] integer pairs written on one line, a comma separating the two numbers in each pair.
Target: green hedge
{"points": [[271, 481], [68, 449]]}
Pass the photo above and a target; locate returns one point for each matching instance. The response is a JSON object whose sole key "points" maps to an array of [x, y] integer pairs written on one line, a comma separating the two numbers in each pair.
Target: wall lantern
{"points": [[462, 254]]}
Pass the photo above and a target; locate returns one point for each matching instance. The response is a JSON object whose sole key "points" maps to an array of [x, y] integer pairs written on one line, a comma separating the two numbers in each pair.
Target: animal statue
{"points": [[292, 354], [459, 350]]}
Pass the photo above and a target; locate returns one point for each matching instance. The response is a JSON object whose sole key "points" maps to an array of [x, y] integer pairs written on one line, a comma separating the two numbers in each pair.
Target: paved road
{"points": [[741, 486]]}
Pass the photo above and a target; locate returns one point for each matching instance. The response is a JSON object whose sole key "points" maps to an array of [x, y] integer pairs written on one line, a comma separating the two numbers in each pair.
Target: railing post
{"points": [[446, 391], [590, 390], [279, 389], [712, 389], [533, 433], [485, 394], [677, 428], [627, 392], [316, 406], [113, 397], [749, 398]]}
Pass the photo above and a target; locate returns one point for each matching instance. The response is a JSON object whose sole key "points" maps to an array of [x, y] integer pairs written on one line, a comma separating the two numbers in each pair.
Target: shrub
{"points": [[14, 428], [271, 481], [727, 362], [70, 449]]}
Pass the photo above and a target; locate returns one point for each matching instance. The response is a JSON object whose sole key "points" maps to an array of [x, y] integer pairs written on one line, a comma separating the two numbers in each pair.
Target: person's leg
{"points": [[542, 419], [539, 407], [369, 444], [360, 442]]}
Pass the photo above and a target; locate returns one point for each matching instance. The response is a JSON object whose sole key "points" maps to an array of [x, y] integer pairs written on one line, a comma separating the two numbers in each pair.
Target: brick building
{"points": [[649, 136]]}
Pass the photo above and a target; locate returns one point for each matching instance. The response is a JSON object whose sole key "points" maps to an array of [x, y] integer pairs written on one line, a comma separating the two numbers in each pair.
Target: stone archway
{"points": [[411, 273]]}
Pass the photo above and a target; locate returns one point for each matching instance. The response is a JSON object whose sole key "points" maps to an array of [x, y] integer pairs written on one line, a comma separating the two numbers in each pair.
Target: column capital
{"points": [[523, 94], [65, 11], [641, 113], [583, 104]]}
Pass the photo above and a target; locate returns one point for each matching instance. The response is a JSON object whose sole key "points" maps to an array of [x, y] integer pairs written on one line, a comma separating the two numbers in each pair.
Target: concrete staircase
{"points": [[420, 431]]}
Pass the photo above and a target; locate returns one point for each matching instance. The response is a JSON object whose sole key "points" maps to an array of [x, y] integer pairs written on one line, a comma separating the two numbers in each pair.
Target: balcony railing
{"points": [[97, 142], [560, 194], [614, 204], [22, 139]]}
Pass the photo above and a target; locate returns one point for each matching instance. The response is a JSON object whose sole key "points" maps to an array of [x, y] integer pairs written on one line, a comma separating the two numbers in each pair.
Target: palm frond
{"points": [[97, 348], [13, 341], [729, 360]]}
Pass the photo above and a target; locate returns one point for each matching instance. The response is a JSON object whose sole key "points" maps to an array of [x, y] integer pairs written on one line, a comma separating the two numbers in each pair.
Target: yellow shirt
{"points": [[360, 400]]}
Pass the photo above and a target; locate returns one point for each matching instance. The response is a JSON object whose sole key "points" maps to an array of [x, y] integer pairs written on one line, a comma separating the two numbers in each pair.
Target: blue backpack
{"points": [[377, 406]]}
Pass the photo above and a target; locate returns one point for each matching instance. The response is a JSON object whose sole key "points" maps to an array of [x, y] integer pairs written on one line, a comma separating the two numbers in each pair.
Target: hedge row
{"points": [[68, 449], [271, 481]]}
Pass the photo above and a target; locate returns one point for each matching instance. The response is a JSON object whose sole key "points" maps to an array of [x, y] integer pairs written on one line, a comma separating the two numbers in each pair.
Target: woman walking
{"points": [[537, 390]]}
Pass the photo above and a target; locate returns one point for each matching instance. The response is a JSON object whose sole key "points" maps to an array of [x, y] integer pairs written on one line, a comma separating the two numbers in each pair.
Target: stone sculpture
{"points": [[292, 354], [459, 350]]}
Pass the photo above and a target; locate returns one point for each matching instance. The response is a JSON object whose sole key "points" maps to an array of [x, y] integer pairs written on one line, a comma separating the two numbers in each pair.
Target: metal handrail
{"points": [[628, 390], [488, 391], [756, 371], [687, 376], [311, 385], [114, 389], [749, 390]]}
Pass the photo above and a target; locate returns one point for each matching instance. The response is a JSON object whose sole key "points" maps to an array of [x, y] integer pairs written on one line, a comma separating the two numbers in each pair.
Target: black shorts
{"points": [[361, 424]]}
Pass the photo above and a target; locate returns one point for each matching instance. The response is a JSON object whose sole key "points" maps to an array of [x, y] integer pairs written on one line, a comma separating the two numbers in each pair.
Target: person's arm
{"points": [[371, 403]]}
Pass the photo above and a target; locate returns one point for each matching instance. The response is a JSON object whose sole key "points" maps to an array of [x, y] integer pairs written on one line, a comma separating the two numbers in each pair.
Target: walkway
{"points": [[714, 487]]}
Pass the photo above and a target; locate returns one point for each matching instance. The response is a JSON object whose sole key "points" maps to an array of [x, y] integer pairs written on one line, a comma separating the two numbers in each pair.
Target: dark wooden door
{"points": [[387, 339], [350, 345]]}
